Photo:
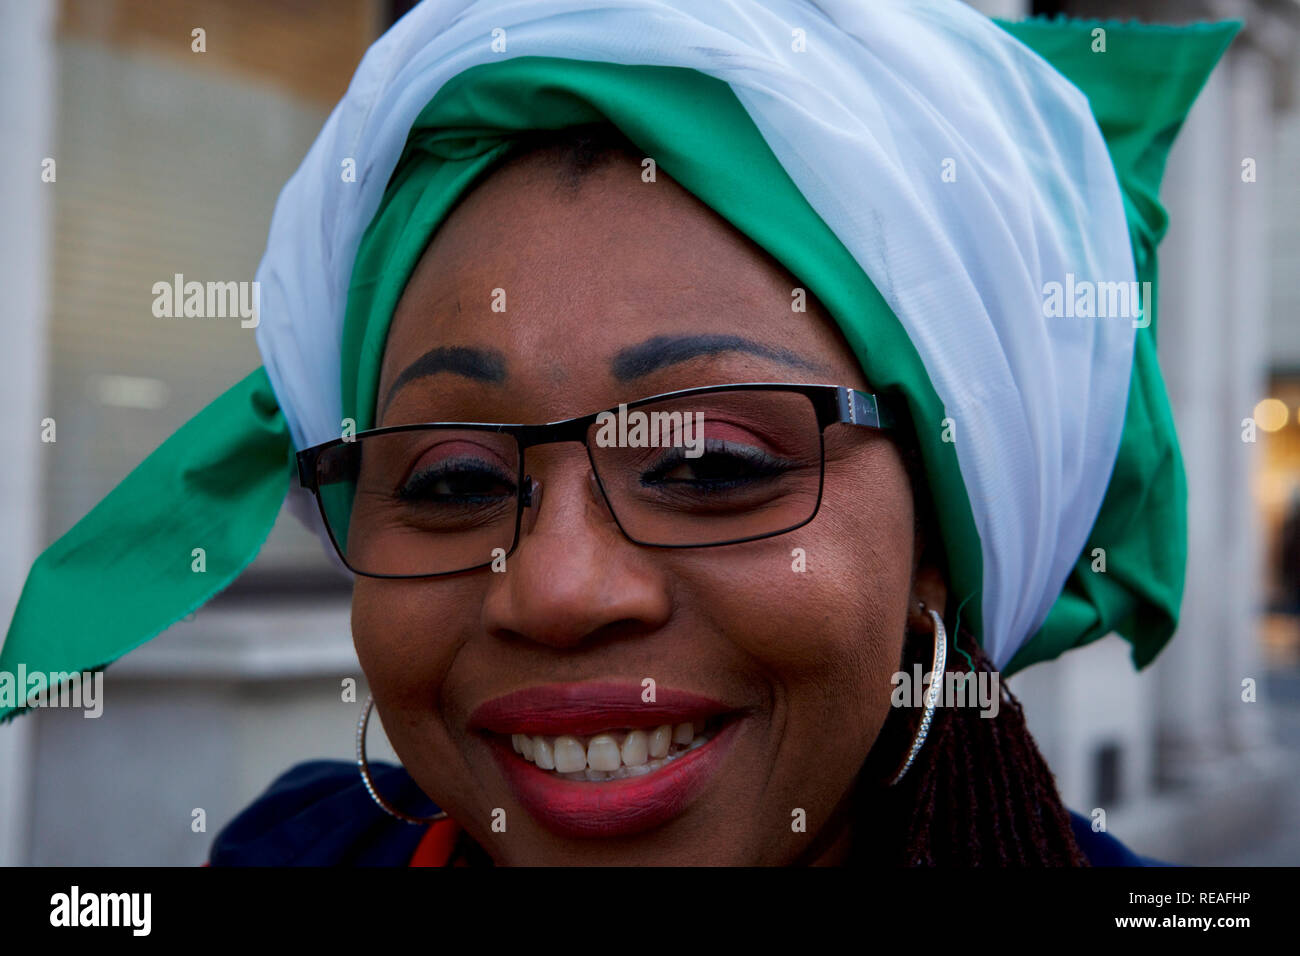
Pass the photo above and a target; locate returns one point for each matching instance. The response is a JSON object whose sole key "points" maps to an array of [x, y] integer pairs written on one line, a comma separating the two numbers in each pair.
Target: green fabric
{"points": [[1140, 90], [467, 128], [125, 572], [1142, 521]]}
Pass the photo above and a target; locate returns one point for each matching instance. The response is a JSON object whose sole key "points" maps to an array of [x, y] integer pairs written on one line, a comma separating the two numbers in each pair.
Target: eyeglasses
{"points": [[696, 468]]}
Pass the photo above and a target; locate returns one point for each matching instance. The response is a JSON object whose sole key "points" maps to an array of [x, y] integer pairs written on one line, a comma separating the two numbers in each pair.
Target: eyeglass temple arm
{"points": [[306, 460], [862, 408]]}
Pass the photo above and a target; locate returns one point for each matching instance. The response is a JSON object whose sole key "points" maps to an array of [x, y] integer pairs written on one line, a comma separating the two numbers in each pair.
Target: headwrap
{"points": [[924, 171]]}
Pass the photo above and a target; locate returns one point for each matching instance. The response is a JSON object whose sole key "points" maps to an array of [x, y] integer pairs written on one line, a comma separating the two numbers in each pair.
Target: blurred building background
{"points": [[169, 160]]}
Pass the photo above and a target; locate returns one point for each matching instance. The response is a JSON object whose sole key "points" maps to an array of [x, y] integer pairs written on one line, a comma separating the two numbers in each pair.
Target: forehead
{"points": [[560, 283]]}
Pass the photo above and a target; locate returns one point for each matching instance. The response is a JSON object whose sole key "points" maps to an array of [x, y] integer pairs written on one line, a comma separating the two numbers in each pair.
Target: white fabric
{"points": [[863, 119]]}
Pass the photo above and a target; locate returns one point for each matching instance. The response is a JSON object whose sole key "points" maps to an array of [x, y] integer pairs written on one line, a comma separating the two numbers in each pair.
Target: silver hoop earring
{"points": [[364, 767], [932, 693]]}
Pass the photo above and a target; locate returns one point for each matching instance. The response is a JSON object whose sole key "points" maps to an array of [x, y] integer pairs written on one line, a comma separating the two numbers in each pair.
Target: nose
{"points": [[574, 578], [533, 493]]}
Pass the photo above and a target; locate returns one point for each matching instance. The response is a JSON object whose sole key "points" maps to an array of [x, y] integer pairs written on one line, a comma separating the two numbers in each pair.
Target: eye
{"points": [[457, 481], [723, 466]]}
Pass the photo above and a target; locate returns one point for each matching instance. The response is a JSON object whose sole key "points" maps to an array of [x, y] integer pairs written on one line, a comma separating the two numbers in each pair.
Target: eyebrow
{"points": [[636, 361], [663, 350], [480, 365]]}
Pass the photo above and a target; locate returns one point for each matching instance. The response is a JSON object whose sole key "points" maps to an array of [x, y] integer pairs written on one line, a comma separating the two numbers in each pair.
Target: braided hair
{"points": [[978, 794]]}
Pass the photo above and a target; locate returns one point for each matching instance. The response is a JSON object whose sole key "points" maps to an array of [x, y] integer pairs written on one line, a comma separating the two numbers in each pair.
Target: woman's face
{"points": [[799, 660]]}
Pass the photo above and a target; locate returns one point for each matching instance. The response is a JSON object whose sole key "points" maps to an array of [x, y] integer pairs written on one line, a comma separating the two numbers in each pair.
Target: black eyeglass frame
{"points": [[833, 405]]}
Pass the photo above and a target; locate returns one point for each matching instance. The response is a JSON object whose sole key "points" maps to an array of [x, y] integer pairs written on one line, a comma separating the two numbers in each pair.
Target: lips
{"points": [[589, 709], [610, 807]]}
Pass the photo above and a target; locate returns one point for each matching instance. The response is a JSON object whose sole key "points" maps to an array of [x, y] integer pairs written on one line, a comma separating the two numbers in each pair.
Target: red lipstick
{"points": [[589, 708], [578, 808]]}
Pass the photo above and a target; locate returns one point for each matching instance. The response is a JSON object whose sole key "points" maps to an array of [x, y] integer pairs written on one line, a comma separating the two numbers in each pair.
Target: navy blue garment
{"points": [[1102, 849], [319, 814]]}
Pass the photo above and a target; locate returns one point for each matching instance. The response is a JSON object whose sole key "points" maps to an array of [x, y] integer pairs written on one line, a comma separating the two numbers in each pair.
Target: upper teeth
{"points": [[607, 752]]}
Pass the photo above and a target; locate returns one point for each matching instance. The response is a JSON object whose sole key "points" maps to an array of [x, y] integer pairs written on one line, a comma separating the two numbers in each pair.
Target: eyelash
{"points": [[761, 464], [417, 487]]}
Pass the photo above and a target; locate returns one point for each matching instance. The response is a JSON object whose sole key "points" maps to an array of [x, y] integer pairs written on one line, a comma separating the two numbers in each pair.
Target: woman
{"points": [[686, 650]]}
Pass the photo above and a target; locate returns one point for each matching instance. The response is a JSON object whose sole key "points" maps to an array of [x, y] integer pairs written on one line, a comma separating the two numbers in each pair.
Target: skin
{"points": [[809, 656]]}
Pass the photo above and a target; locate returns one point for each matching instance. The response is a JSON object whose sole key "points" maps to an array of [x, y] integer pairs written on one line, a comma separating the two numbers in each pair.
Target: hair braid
{"points": [[979, 793]]}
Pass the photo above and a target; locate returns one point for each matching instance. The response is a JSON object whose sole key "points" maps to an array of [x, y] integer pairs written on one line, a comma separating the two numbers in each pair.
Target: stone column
{"points": [[27, 103], [1194, 303], [1246, 353]]}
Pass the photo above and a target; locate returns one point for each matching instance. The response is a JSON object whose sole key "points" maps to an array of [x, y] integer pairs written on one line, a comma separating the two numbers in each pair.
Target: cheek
{"points": [[822, 627], [407, 644], [404, 640]]}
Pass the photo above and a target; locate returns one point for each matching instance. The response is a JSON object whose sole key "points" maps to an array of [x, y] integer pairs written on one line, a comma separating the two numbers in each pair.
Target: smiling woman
{"points": [[590, 648], [757, 669]]}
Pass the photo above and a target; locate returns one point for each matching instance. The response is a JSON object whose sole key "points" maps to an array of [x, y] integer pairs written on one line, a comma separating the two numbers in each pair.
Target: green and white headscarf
{"points": [[926, 172]]}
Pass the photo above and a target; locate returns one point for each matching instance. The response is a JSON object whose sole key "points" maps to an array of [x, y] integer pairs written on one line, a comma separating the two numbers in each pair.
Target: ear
{"points": [[928, 585]]}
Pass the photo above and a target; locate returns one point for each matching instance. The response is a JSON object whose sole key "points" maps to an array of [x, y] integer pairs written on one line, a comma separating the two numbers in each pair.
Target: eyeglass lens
{"points": [[689, 471]]}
